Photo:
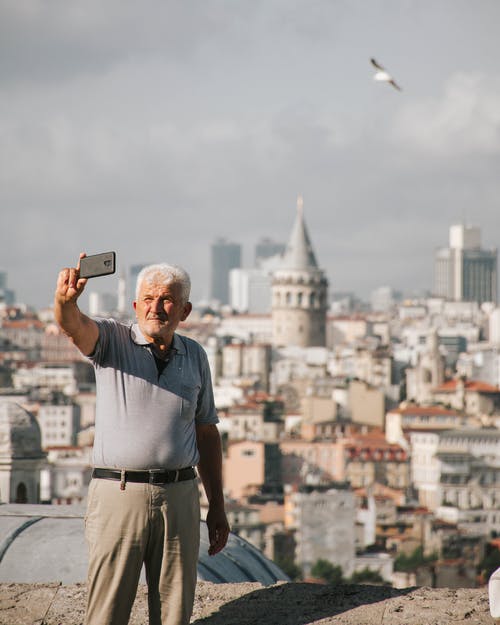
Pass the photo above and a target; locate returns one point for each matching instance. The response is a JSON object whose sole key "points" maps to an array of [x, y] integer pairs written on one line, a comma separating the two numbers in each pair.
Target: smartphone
{"points": [[98, 265]]}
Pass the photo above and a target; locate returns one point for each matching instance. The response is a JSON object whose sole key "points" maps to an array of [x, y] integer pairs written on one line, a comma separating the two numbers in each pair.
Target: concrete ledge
{"points": [[251, 603]]}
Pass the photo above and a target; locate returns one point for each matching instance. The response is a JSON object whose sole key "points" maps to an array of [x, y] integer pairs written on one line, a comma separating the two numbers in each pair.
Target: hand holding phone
{"points": [[98, 265]]}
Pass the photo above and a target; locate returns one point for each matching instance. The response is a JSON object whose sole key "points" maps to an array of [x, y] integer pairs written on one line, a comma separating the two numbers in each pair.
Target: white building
{"points": [[59, 424], [425, 467], [481, 362], [382, 299], [249, 364], [247, 327], [457, 468], [399, 422], [250, 291], [50, 376], [494, 326]]}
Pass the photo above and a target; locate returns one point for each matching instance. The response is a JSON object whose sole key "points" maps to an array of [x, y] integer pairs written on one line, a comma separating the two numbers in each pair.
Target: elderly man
{"points": [[155, 421]]}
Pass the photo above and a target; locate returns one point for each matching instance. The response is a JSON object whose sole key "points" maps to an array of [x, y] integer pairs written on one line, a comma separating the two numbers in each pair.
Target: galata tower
{"points": [[299, 292]]}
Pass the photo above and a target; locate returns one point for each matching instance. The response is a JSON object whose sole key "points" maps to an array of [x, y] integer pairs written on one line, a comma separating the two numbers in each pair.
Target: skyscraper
{"points": [[224, 256], [465, 272], [266, 248], [7, 296]]}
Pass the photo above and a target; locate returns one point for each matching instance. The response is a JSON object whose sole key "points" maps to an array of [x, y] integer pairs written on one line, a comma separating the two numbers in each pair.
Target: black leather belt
{"points": [[155, 476]]}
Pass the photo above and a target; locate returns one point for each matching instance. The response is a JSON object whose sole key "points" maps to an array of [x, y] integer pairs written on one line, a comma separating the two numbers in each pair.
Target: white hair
{"points": [[165, 274]]}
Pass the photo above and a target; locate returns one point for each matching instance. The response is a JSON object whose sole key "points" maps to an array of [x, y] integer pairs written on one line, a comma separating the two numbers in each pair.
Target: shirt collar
{"points": [[138, 337]]}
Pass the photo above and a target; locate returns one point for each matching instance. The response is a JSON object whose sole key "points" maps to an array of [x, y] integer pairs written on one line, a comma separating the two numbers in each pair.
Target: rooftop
{"points": [[450, 386], [284, 603]]}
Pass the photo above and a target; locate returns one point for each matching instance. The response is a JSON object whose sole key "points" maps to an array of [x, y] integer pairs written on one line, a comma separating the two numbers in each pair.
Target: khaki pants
{"points": [[145, 523]]}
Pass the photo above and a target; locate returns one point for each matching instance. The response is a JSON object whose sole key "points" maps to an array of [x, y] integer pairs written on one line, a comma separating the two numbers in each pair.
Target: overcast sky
{"points": [[151, 128]]}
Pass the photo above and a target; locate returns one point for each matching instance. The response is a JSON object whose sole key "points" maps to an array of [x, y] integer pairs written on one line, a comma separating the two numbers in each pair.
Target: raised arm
{"points": [[82, 330], [210, 469]]}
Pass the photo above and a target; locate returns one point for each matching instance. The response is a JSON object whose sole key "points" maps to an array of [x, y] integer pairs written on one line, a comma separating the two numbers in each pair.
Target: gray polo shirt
{"points": [[145, 420]]}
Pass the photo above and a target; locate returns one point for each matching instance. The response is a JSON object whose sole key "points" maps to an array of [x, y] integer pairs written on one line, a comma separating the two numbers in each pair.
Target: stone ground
{"points": [[254, 604]]}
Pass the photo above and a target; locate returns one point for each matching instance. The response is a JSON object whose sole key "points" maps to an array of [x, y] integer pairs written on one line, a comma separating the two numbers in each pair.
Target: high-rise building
{"points": [[224, 256], [266, 248], [7, 296], [299, 291], [465, 272]]}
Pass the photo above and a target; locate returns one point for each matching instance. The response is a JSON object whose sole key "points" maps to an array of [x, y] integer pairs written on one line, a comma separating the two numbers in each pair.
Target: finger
{"points": [[219, 540], [212, 538], [218, 546], [63, 276], [214, 549], [82, 255], [73, 277], [62, 281]]}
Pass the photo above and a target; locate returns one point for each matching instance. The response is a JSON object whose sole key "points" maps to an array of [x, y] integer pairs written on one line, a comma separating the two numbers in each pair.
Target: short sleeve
{"points": [[205, 409]]}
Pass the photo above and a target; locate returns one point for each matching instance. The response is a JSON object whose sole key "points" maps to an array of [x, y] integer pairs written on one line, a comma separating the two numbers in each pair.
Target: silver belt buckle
{"points": [[152, 474]]}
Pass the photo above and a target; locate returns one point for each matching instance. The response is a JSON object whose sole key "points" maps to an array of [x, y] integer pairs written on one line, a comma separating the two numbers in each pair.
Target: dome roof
{"points": [[46, 543], [19, 432]]}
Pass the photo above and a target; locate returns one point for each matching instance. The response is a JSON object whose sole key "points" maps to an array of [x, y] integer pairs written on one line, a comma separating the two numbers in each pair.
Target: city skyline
{"points": [[109, 285], [153, 137]]}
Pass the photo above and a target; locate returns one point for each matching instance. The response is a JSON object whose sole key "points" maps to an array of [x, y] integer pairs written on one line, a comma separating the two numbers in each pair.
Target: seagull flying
{"points": [[382, 75]]}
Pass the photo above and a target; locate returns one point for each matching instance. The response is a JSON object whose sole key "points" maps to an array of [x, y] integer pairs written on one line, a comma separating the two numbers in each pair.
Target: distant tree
{"points": [[367, 575], [489, 564], [330, 573], [411, 562], [288, 566]]}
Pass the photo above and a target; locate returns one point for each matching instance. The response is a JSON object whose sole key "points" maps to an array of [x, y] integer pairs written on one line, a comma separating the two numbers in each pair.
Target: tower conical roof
{"points": [[299, 253]]}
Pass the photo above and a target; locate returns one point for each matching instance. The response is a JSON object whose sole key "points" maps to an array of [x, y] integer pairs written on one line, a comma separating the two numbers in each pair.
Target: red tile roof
{"points": [[22, 324], [477, 386]]}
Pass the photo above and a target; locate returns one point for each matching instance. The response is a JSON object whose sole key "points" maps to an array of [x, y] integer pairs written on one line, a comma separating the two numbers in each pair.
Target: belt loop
{"points": [[176, 479], [122, 480]]}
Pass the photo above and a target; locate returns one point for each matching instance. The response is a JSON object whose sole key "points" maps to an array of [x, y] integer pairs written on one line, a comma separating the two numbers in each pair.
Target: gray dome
{"points": [[45, 543], [19, 432]]}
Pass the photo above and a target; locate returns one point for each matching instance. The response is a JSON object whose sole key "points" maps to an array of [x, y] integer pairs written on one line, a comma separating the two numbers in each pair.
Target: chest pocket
{"points": [[189, 401]]}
